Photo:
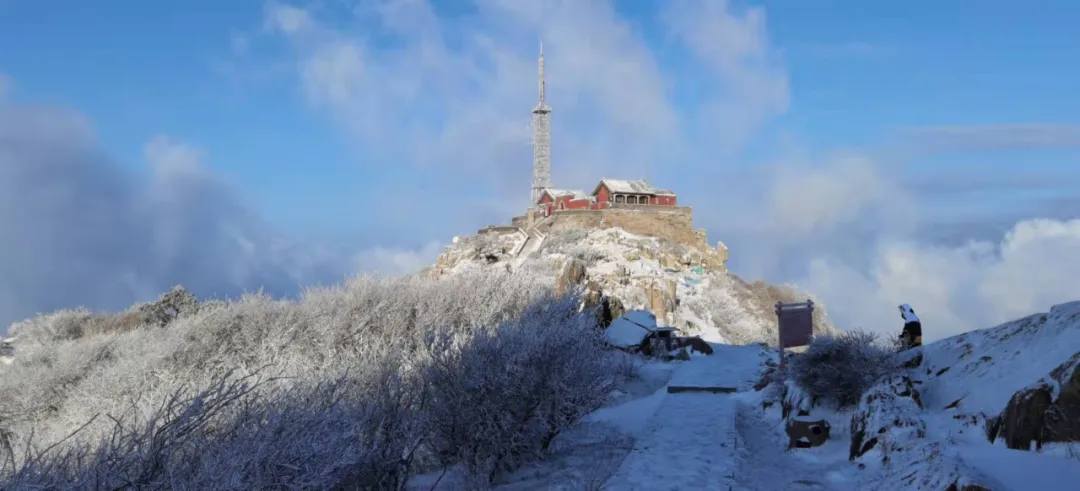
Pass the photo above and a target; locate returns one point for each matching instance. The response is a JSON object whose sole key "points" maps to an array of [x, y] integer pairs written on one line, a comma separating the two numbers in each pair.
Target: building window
{"points": [[620, 198], [631, 200]]}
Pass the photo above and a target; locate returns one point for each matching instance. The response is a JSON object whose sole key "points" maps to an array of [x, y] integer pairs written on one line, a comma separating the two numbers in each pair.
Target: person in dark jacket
{"points": [[912, 335]]}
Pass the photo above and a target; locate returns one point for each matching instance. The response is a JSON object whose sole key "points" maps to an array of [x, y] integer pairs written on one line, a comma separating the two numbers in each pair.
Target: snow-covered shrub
{"points": [[587, 255], [744, 312], [354, 393], [70, 324], [241, 433], [564, 239], [734, 316], [499, 399], [840, 368]]}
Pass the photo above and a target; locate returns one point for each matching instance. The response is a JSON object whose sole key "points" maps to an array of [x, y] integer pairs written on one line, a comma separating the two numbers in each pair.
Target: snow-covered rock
{"points": [[1048, 411], [684, 286], [1010, 383], [979, 371], [888, 416]]}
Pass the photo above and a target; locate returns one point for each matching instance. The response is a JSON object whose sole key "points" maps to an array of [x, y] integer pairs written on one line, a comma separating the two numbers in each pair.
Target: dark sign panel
{"points": [[796, 323]]}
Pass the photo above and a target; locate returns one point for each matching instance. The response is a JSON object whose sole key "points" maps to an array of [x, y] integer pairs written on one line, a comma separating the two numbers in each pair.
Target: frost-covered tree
{"points": [[353, 385]]}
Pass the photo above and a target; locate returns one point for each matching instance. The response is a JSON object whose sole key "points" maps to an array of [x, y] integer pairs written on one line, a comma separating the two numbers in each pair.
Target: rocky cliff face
{"points": [[686, 285]]}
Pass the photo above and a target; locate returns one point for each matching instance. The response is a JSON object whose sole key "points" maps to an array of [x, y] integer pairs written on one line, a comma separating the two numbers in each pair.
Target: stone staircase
{"points": [[533, 241]]}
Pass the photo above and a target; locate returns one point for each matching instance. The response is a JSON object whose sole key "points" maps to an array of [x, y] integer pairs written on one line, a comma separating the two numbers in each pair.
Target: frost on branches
{"points": [[840, 368], [357, 385]]}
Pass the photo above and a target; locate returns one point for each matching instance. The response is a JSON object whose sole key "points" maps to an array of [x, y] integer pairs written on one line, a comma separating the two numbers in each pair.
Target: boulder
{"points": [[679, 354], [661, 295], [613, 307], [1047, 411], [805, 433], [668, 261], [696, 344], [887, 416], [607, 307], [721, 252], [593, 296], [912, 361], [573, 273]]}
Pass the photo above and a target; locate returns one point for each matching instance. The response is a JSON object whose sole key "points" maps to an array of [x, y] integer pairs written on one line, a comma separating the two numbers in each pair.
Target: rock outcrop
{"points": [[805, 433], [1048, 411], [684, 284], [887, 417], [573, 274]]}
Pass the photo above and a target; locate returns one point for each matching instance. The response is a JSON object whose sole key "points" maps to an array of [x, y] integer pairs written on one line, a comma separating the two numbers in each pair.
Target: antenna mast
{"points": [[541, 126]]}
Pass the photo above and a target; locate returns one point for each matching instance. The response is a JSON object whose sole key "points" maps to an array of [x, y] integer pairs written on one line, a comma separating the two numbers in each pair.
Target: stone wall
{"points": [[666, 222], [497, 230]]}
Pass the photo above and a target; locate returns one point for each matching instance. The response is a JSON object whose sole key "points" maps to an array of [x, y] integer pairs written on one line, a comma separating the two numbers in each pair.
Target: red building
{"points": [[607, 192]]}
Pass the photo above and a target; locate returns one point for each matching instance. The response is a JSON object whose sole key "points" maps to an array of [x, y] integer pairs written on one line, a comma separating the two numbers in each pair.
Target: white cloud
{"points": [[452, 96], [398, 261], [979, 284], [287, 18], [846, 230], [735, 51], [992, 137], [76, 229], [806, 198]]}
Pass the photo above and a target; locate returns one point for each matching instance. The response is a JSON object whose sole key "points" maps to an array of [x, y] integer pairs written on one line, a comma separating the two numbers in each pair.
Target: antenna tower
{"points": [[541, 139]]}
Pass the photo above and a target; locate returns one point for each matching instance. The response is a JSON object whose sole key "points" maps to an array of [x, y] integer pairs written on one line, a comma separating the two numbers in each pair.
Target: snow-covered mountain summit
{"points": [[685, 285]]}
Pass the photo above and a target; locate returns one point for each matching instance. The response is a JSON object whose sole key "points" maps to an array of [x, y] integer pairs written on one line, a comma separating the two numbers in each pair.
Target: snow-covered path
{"points": [[765, 464], [690, 440], [736, 367]]}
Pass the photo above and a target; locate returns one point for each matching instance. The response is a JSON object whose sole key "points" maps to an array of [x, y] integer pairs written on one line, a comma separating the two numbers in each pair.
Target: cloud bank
{"points": [[78, 229]]}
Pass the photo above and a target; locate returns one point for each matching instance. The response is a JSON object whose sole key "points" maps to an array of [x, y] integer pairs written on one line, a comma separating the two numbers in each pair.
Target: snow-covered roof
{"points": [[630, 329], [575, 193], [632, 187]]}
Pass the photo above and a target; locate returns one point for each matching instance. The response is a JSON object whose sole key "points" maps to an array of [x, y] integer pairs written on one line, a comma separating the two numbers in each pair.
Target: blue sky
{"points": [[423, 110]]}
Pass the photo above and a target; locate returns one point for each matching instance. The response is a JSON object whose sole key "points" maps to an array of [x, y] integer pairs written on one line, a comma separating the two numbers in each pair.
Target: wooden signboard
{"points": [[795, 324]]}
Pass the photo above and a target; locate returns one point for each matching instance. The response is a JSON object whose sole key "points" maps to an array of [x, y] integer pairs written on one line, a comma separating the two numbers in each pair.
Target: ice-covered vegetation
{"points": [[839, 368], [356, 385], [743, 312]]}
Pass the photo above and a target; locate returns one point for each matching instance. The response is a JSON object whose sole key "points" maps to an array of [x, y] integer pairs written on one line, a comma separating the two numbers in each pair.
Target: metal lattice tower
{"points": [[541, 127]]}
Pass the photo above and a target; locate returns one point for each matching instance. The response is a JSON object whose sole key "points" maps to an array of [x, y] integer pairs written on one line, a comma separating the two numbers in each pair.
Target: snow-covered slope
{"points": [[978, 371], [965, 384], [929, 420], [684, 286]]}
